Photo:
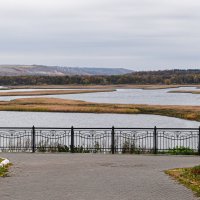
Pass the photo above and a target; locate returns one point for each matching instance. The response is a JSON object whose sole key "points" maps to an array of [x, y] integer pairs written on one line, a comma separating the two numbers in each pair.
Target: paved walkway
{"points": [[93, 177]]}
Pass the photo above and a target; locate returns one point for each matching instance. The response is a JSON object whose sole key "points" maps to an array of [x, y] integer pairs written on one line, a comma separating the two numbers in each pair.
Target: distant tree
{"points": [[147, 77]]}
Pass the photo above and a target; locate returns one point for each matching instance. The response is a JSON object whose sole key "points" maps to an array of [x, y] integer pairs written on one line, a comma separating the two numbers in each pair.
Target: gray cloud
{"points": [[145, 34]]}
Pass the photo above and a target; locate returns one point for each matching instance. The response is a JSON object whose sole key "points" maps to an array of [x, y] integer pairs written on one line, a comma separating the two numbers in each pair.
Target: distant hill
{"points": [[41, 70]]}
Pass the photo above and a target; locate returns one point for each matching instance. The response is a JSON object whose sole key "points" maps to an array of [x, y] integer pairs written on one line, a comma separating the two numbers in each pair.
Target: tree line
{"points": [[142, 77]]}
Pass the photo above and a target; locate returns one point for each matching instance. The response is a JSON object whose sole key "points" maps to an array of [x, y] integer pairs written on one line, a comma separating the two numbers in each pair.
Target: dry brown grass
{"points": [[51, 92], [61, 105], [190, 177]]}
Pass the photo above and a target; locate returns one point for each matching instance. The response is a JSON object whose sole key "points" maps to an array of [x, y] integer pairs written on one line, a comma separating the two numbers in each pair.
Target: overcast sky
{"points": [[135, 34]]}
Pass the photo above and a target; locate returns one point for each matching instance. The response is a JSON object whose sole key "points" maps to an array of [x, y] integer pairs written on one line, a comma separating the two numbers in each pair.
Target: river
{"points": [[128, 96], [47, 119]]}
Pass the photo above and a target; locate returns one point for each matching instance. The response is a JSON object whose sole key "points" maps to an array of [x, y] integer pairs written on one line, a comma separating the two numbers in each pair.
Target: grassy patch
{"points": [[61, 105], [190, 177], [4, 170], [185, 91], [52, 92]]}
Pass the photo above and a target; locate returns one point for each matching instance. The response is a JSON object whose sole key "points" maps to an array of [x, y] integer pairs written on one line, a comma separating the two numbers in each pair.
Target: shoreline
{"points": [[118, 86]]}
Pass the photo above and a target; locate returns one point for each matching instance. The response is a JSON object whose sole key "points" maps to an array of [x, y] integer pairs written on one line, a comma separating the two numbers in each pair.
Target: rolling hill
{"points": [[41, 70]]}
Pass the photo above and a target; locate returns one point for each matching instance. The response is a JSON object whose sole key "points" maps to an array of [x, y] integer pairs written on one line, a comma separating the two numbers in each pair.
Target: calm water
{"points": [[139, 96], [132, 96], [26, 119]]}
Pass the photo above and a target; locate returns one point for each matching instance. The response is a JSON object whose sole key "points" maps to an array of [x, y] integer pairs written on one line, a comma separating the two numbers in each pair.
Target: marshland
{"points": [[128, 100]]}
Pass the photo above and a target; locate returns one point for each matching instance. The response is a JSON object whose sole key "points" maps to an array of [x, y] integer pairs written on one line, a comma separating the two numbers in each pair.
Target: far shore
{"points": [[61, 105], [119, 86]]}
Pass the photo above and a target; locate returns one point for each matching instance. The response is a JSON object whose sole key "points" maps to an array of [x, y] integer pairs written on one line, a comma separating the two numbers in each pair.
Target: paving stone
{"points": [[94, 177]]}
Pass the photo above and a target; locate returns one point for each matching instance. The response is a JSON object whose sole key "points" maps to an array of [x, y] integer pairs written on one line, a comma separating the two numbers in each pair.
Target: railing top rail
{"points": [[16, 128], [98, 128]]}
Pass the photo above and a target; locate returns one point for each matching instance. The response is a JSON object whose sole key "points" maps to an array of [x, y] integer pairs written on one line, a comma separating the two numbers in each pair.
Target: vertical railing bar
{"points": [[155, 139], [113, 140], [33, 139], [72, 140], [199, 142]]}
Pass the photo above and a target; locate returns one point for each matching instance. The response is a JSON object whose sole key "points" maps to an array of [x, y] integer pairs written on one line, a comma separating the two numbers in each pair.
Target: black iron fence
{"points": [[101, 140]]}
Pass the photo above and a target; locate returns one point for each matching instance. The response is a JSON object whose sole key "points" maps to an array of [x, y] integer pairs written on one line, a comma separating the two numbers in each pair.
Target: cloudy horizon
{"points": [[138, 35]]}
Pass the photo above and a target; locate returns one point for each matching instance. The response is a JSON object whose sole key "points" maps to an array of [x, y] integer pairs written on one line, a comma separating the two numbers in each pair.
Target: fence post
{"points": [[72, 140], [155, 140], [33, 139], [113, 140], [199, 142]]}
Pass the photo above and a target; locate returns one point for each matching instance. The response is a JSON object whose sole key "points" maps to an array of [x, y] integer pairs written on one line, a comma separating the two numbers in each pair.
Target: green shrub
{"points": [[62, 148], [129, 147], [97, 147], [181, 151], [56, 147]]}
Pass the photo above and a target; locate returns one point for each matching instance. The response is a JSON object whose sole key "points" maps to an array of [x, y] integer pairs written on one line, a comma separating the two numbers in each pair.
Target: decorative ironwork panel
{"points": [[134, 141], [52, 140], [177, 139], [91, 140], [15, 140]]}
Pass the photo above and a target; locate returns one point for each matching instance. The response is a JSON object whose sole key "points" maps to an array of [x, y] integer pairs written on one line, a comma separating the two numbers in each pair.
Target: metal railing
{"points": [[100, 140]]}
